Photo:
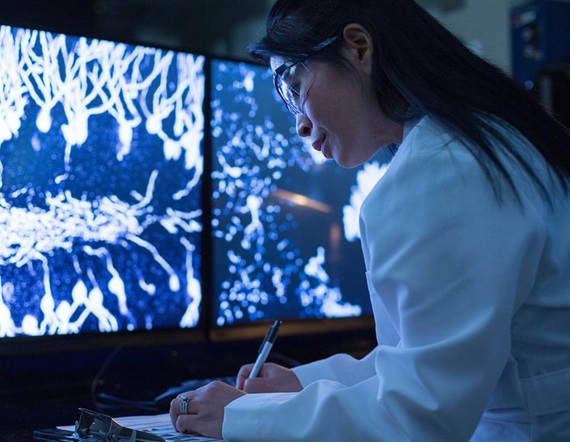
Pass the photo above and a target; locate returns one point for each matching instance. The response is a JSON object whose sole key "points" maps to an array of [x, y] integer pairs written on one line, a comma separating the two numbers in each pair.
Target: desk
{"points": [[45, 392]]}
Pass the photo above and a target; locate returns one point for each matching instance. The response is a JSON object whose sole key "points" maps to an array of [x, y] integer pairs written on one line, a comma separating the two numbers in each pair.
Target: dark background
{"points": [[212, 26]]}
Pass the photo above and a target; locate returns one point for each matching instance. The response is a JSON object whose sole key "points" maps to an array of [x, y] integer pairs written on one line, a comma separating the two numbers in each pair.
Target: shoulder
{"points": [[437, 165], [430, 164]]}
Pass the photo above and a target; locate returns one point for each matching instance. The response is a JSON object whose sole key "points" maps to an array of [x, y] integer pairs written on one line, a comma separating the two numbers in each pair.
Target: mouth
{"points": [[319, 144]]}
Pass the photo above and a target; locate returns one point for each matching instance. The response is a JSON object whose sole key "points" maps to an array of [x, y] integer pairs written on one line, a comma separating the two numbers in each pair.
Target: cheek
{"points": [[325, 109], [334, 114]]}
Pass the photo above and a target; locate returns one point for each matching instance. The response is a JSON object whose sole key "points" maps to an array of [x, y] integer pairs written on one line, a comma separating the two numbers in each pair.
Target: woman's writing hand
{"points": [[272, 378]]}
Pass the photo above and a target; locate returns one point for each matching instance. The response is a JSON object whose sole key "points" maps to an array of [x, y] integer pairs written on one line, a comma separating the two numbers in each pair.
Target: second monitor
{"points": [[285, 239]]}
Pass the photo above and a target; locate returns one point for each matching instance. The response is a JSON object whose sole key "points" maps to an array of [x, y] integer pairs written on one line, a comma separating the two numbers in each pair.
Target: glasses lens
{"points": [[293, 85]]}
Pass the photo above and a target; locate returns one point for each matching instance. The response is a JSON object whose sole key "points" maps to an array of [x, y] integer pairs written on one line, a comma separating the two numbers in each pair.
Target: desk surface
{"points": [[20, 418], [45, 392]]}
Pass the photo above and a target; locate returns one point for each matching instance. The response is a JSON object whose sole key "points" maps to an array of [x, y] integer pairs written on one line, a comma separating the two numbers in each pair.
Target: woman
{"points": [[466, 240]]}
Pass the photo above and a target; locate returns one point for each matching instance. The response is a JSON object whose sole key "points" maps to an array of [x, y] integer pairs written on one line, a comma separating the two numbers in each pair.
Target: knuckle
{"points": [[216, 384]]}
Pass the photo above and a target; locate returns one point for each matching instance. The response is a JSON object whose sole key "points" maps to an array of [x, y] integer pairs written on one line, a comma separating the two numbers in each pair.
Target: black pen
{"points": [[265, 349]]}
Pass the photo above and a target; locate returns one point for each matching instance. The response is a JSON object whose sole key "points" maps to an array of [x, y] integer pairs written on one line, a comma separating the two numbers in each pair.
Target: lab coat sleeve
{"points": [[341, 368], [451, 265]]}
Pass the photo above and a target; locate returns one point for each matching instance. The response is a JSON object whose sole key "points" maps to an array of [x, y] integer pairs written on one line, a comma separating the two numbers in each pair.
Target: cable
{"points": [[101, 371], [115, 403]]}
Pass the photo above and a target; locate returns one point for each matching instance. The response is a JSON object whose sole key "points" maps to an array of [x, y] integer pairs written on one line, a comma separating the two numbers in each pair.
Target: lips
{"points": [[319, 144]]}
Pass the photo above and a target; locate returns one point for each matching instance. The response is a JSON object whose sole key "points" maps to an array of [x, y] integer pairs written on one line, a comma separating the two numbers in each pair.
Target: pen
{"points": [[265, 348]]}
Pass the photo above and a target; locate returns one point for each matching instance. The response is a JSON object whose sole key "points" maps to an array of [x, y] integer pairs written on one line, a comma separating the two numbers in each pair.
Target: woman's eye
{"points": [[293, 78]]}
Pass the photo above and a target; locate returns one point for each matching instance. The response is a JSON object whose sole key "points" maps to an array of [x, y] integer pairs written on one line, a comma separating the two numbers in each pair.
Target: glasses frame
{"points": [[278, 74]]}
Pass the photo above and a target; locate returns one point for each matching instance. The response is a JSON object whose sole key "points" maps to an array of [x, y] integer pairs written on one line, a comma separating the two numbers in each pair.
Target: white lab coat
{"points": [[478, 294]]}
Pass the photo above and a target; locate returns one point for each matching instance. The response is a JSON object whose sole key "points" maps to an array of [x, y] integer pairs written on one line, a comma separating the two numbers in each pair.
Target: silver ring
{"points": [[183, 405]]}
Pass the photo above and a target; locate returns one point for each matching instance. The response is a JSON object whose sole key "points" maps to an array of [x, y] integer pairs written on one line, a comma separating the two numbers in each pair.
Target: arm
{"points": [[341, 368], [274, 378]]}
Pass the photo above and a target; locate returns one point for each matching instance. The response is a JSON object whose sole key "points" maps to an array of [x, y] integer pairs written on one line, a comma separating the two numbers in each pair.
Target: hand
{"points": [[272, 378], [206, 405]]}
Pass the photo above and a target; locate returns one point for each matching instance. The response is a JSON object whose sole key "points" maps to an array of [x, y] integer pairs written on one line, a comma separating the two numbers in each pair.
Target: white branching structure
{"points": [[85, 78]]}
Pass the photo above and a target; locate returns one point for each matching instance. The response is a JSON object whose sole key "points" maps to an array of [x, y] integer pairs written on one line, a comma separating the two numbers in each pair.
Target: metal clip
{"points": [[97, 427]]}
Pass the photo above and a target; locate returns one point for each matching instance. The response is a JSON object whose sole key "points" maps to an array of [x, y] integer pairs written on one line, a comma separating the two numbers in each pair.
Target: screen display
{"points": [[284, 220], [101, 168]]}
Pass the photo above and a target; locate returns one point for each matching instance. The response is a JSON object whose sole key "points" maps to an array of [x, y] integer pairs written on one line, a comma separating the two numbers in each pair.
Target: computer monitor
{"points": [[284, 220], [101, 172]]}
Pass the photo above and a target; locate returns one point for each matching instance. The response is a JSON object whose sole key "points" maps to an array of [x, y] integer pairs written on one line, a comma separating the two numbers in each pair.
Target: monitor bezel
{"points": [[244, 331], [48, 345]]}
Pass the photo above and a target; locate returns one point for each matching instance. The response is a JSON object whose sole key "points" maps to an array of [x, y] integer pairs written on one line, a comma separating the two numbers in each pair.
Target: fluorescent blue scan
{"points": [[285, 221], [100, 185]]}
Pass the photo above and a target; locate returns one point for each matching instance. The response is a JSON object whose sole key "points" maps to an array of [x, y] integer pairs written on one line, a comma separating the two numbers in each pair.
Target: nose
{"points": [[303, 125]]}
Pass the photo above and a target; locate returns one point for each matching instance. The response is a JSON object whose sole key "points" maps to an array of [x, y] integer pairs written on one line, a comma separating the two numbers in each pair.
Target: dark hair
{"points": [[421, 68]]}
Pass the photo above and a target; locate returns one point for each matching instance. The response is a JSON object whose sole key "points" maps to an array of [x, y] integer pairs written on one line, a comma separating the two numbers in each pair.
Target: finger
{"points": [[173, 414], [178, 407], [259, 385], [186, 424], [242, 376], [199, 424], [174, 411]]}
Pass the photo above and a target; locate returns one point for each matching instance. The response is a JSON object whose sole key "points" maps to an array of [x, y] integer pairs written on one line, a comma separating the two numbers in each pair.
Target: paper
{"points": [[161, 425]]}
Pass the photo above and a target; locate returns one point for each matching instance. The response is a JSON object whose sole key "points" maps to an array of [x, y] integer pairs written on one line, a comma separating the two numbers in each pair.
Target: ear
{"points": [[357, 41]]}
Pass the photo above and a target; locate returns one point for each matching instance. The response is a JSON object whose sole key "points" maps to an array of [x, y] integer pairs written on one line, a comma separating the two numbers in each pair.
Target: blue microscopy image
{"points": [[101, 165], [284, 220]]}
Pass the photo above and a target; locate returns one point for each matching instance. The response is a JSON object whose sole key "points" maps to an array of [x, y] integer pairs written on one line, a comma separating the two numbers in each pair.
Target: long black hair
{"points": [[421, 68]]}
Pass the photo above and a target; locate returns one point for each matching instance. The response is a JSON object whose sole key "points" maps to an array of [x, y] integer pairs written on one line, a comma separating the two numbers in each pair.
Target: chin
{"points": [[350, 156], [347, 161]]}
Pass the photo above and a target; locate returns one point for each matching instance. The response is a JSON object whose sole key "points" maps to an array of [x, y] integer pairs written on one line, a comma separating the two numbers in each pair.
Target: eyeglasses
{"points": [[289, 77]]}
